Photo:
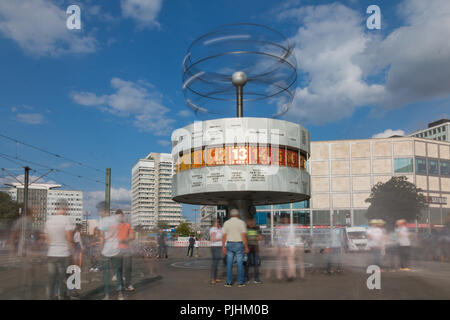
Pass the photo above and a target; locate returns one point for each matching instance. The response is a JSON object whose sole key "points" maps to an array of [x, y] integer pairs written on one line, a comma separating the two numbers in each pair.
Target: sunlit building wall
{"points": [[343, 173]]}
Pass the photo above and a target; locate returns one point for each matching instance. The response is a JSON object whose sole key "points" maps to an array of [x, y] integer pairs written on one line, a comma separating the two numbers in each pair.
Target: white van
{"points": [[356, 238]]}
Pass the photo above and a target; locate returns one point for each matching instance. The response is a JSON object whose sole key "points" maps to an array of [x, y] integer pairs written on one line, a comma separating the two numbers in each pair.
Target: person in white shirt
{"points": [[109, 227], [58, 236], [404, 244], [197, 245], [375, 241], [215, 236], [79, 248]]}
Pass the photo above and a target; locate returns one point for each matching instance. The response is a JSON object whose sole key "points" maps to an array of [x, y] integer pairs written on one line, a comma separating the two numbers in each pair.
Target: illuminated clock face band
{"points": [[229, 155]]}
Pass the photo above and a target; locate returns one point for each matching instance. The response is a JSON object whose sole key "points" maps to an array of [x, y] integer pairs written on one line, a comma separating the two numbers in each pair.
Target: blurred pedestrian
{"points": [[94, 250], [191, 244], [335, 248], [59, 237], [287, 250], [253, 238], [78, 246], [126, 236], [21, 246], [215, 235], [109, 227], [162, 245], [234, 244], [375, 241], [404, 244], [196, 245]]}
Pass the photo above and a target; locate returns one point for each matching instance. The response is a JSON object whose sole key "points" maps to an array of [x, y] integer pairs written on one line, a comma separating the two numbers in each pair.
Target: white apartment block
{"points": [[42, 199], [151, 189], [437, 130], [73, 197]]}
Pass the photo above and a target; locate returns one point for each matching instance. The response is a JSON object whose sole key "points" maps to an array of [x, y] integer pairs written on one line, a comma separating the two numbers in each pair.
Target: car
{"points": [[356, 239]]}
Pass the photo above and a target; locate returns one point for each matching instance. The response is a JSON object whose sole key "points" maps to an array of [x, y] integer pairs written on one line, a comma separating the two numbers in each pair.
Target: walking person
{"points": [[375, 241], [109, 238], [191, 244], [196, 245], [253, 238], [162, 246], [215, 235], [234, 244], [335, 250], [59, 238], [78, 246], [287, 250], [126, 235], [94, 250], [404, 244]]}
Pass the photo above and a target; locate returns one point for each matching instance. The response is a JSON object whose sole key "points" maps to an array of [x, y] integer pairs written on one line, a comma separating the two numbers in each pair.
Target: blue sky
{"points": [[110, 93]]}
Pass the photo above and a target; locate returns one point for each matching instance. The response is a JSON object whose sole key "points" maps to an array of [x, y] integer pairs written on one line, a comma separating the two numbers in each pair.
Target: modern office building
{"points": [[151, 189], [343, 173], [42, 199], [73, 197], [437, 130]]}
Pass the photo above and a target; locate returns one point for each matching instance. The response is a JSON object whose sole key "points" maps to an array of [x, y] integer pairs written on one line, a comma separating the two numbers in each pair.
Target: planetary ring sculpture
{"points": [[262, 55]]}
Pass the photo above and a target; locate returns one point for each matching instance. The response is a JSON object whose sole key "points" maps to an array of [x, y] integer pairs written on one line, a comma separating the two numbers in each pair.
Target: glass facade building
{"points": [[344, 172]]}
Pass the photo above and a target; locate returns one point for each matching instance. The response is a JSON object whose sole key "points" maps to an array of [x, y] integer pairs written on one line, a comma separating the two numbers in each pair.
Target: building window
{"points": [[301, 205], [281, 217], [402, 165], [433, 167], [359, 218], [321, 218], [339, 217], [421, 165], [282, 206], [301, 217], [445, 168]]}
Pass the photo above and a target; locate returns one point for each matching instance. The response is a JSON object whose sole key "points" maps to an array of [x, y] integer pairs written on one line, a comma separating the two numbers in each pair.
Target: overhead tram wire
{"points": [[9, 157], [49, 152]]}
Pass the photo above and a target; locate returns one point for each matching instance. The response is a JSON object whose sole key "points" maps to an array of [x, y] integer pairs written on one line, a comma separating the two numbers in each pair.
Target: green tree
{"points": [[162, 225], [396, 199], [9, 210], [183, 230]]}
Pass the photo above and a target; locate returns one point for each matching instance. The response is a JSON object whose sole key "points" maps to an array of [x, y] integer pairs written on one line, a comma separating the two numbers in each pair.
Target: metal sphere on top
{"points": [[239, 79]]}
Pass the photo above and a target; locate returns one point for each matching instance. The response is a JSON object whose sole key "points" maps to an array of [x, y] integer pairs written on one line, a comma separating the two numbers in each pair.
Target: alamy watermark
{"points": [[73, 22], [374, 280], [374, 21]]}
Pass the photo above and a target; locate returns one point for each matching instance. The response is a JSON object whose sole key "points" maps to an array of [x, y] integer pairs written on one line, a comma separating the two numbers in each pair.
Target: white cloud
{"points": [[389, 133], [417, 54], [9, 179], [336, 56], [120, 198], [139, 99], [144, 12], [164, 143], [184, 113], [30, 118], [326, 44], [39, 27]]}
